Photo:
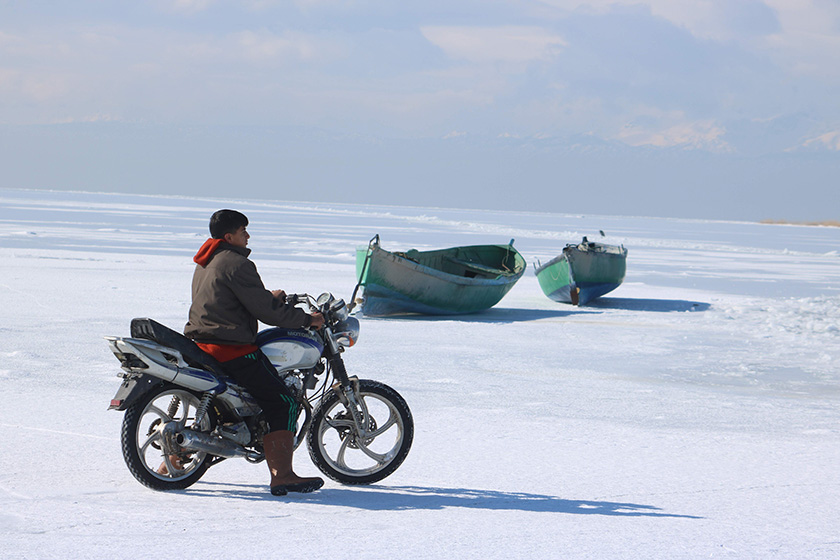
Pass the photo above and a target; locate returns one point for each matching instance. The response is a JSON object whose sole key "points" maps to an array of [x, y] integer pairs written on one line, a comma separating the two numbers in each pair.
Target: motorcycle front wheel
{"points": [[350, 455], [143, 445]]}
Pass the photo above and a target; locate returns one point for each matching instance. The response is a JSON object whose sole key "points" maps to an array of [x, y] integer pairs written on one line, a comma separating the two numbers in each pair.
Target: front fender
{"points": [[132, 388]]}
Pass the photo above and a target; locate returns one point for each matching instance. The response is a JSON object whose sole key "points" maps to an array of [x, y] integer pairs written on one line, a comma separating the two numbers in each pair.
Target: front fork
{"points": [[347, 389]]}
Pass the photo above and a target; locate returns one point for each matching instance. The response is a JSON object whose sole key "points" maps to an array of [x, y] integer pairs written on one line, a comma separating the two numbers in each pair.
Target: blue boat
{"points": [[449, 281], [583, 272]]}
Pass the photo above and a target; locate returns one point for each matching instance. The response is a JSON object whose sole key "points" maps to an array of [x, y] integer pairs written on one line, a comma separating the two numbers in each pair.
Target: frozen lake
{"points": [[693, 412]]}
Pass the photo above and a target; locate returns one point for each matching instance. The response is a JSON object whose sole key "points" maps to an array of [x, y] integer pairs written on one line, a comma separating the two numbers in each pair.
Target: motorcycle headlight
{"points": [[347, 332]]}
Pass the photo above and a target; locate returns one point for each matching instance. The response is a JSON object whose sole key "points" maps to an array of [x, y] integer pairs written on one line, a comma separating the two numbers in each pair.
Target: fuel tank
{"points": [[290, 348]]}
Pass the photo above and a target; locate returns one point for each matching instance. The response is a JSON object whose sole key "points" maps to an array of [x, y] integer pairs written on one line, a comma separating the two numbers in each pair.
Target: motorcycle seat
{"points": [[149, 329]]}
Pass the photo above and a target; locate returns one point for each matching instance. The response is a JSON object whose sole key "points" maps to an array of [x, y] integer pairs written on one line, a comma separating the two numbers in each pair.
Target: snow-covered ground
{"points": [[692, 413]]}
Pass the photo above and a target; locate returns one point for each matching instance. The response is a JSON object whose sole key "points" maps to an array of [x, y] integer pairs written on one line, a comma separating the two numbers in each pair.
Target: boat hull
{"points": [[445, 282], [582, 273]]}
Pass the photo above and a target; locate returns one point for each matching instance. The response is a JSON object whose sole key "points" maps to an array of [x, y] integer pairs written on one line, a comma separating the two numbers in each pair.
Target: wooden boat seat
{"points": [[477, 268], [410, 255]]}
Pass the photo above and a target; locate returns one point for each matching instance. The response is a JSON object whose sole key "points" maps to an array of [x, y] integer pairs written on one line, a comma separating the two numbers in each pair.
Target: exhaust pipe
{"points": [[198, 441]]}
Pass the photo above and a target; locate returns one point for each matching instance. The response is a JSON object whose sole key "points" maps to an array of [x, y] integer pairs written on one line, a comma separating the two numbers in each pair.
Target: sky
{"points": [[699, 108]]}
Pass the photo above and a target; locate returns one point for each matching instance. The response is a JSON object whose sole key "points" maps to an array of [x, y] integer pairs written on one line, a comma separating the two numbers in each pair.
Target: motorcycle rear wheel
{"points": [[341, 453], [142, 439]]}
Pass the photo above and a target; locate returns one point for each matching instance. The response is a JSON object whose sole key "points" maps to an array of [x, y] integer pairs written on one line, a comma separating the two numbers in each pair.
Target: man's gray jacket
{"points": [[228, 298]]}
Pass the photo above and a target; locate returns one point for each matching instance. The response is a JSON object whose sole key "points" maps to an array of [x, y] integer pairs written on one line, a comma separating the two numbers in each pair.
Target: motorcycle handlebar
{"points": [[294, 299], [314, 305]]}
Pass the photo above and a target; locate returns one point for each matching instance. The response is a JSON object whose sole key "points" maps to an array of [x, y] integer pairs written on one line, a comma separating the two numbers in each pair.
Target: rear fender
{"points": [[132, 388], [144, 357]]}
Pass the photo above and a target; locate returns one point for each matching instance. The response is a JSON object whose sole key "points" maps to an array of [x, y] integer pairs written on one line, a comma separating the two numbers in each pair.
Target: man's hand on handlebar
{"points": [[317, 321], [279, 294]]}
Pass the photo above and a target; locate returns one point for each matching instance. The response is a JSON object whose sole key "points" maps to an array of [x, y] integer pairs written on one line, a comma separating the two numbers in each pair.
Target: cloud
{"points": [[686, 73], [829, 141], [719, 20], [800, 35], [495, 44], [38, 88], [97, 118], [808, 42], [185, 6], [266, 46], [807, 17]]}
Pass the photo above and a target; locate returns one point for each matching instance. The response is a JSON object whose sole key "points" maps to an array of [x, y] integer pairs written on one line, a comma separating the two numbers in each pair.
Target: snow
{"points": [[691, 413]]}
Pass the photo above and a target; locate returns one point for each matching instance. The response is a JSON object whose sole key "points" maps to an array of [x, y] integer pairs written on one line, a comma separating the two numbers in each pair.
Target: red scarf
{"points": [[205, 253]]}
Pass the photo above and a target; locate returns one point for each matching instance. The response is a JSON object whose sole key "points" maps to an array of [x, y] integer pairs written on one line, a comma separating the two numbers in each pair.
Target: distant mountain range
{"points": [[760, 177]]}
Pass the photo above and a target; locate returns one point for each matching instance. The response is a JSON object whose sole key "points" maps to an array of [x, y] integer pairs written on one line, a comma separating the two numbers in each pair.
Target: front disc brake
{"points": [[344, 432]]}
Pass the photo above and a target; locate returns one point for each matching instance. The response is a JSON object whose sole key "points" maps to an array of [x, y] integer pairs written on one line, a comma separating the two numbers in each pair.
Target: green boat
{"points": [[583, 272], [441, 282]]}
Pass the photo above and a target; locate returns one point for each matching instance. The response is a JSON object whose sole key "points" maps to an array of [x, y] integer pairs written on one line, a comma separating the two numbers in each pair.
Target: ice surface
{"points": [[691, 413]]}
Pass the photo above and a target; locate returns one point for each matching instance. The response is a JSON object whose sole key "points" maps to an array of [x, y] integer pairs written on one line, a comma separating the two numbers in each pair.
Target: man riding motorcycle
{"points": [[228, 300]]}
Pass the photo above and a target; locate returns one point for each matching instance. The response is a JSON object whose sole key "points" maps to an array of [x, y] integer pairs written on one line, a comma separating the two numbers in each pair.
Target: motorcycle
{"points": [[184, 415]]}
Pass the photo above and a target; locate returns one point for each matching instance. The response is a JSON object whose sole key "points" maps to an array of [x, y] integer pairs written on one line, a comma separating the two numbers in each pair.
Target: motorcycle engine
{"points": [[293, 382]]}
